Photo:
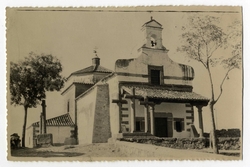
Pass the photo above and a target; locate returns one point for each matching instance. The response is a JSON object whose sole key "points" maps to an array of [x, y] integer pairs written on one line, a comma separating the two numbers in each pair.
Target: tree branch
{"points": [[211, 54], [199, 56], [221, 85]]}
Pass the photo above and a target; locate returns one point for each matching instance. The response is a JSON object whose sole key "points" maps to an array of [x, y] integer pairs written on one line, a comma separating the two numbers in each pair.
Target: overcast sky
{"points": [[72, 36]]}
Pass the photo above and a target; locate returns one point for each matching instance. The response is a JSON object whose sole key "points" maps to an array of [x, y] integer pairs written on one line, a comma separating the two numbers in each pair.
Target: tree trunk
{"points": [[24, 125], [213, 131], [211, 107]]}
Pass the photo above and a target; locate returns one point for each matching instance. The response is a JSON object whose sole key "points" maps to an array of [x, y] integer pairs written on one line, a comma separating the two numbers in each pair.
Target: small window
{"points": [[179, 124], [68, 106], [155, 75]]}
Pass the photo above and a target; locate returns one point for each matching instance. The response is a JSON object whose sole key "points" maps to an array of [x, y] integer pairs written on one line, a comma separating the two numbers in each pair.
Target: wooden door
{"points": [[161, 125]]}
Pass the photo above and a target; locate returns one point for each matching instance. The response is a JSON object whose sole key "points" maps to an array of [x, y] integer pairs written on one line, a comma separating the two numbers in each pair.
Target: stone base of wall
{"points": [[181, 143], [188, 143], [44, 140], [229, 143]]}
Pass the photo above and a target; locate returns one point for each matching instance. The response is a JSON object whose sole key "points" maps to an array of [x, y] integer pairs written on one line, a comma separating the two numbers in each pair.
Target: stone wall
{"points": [[228, 133], [44, 140], [181, 143], [188, 143], [101, 132], [229, 143]]}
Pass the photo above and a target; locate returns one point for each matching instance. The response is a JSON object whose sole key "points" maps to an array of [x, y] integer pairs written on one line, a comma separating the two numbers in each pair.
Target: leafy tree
{"points": [[31, 78], [201, 38]]}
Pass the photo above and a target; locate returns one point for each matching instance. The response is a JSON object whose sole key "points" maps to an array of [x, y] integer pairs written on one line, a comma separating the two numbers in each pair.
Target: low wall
{"points": [[188, 143], [228, 133], [229, 143], [44, 140], [181, 143]]}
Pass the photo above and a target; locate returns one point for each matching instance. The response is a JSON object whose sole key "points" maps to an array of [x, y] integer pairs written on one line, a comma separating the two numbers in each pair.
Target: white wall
{"points": [[59, 133], [85, 117], [29, 137], [69, 96], [156, 58], [177, 109]]}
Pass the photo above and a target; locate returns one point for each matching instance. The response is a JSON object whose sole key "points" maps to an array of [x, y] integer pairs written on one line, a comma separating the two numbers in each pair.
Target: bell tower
{"points": [[153, 34]]}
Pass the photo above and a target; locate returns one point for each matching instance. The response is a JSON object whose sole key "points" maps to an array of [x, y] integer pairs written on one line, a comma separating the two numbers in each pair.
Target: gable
{"points": [[153, 23]]}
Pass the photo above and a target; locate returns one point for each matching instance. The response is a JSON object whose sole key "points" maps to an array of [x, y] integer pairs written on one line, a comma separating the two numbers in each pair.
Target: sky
{"points": [[72, 36]]}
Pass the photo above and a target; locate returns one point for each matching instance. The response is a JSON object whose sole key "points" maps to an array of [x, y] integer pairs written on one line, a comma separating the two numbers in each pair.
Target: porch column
{"points": [[199, 107], [152, 122], [132, 116], [146, 117]]}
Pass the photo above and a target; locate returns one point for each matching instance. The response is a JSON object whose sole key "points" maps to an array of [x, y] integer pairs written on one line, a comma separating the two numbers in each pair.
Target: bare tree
{"points": [[201, 38]]}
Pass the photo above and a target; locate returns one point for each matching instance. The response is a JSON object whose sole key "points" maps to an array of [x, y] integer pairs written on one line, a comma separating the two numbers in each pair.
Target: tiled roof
{"points": [[62, 120], [92, 68], [163, 93]]}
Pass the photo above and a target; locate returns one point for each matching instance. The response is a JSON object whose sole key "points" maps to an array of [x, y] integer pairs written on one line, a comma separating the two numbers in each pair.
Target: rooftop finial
{"points": [[151, 17], [95, 51], [95, 59]]}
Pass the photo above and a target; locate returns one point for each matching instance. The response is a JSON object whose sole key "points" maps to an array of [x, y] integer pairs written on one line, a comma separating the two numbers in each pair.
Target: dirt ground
{"points": [[92, 152]]}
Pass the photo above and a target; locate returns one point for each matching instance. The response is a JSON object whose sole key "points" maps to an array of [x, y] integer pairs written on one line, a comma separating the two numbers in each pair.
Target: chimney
{"points": [[95, 60]]}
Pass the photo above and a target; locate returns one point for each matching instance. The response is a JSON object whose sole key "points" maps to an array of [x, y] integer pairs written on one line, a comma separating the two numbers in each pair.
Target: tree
{"points": [[201, 38], [31, 78]]}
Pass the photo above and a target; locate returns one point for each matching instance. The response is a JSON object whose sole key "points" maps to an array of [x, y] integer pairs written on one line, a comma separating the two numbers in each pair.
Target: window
{"points": [[140, 124], [155, 75], [68, 106], [179, 124]]}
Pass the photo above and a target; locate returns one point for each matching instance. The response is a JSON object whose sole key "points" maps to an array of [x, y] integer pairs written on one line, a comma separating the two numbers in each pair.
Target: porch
{"points": [[153, 122]]}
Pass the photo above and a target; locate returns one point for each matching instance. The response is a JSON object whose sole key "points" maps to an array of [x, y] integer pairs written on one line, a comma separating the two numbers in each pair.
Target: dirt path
{"points": [[103, 151]]}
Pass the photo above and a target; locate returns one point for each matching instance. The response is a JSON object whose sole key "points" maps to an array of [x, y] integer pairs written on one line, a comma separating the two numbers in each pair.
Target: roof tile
{"points": [[62, 120], [163, 93], [93, 69]]}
